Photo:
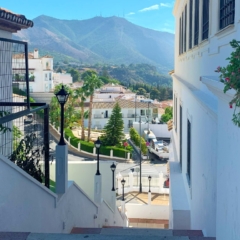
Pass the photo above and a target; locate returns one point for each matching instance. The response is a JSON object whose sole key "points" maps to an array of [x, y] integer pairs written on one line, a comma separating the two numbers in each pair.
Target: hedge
{"points": [[88, 146]]}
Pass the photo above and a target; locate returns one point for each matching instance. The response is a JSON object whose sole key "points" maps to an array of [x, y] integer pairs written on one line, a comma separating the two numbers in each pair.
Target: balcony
{"points": [[98, 116], [130, 115]]}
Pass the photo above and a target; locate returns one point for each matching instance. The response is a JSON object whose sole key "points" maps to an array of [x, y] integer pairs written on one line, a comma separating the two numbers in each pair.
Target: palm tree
{"points": [[81, 95], [91, 83]]}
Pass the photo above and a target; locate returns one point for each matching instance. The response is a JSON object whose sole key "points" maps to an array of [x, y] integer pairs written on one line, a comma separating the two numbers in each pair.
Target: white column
{"points": [[94, 151], [128, 156], [111, 153], [98, 189], [79, 147], [161, 182], [61, 169], [149, 198]]}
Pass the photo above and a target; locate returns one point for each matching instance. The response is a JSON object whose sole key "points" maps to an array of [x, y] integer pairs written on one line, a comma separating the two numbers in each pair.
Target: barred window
{"points": [[190, 23], [185, 29], [180, 36], [182, 32], [205, 19], [227, 12], [196, 22]]}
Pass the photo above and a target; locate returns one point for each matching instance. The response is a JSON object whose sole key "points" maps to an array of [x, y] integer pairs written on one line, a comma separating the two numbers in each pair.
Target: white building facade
{"points": [[204, 167], [40, 72]]}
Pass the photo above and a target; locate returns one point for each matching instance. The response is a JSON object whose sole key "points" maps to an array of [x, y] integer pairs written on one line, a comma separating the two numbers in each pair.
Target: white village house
{"points": [[40, 72], [204, 168]]}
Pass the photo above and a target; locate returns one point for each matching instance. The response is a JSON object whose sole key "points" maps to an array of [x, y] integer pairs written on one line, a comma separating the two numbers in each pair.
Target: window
{"points": [[50, 76], [227, 12], [190, 23], [189, 151], [185, 29], [196, 22], [180, 36], [182, 32], [205, 19], [142, 112], [180, 140], [46, 76]]}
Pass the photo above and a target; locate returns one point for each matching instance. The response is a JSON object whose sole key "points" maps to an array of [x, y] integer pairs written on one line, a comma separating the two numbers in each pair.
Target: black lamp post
{"points": [[97, 145], [62, 97], [149, 179], [123, 182], [113, 167]]}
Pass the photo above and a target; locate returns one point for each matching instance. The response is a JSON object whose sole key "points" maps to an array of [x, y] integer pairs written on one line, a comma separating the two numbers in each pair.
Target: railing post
{"points": [[79, 146], [94, 151], [69, 139], [111, 153]]}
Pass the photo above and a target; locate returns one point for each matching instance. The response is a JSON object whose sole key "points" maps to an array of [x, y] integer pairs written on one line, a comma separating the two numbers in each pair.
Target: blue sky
{"points": [[152, 14]]}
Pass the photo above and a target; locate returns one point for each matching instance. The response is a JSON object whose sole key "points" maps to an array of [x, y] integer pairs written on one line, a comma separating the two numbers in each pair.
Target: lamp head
{"points": [[62, 95], [149, 178], [123, 182], [113, 167], [97, 143]]}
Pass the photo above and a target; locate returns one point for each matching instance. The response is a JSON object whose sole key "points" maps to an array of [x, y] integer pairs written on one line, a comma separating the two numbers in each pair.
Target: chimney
{"points": [[35, 53]]}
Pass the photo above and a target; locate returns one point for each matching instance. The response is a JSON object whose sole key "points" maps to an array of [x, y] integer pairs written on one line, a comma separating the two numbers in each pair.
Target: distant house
{"points": [[102, 110], [40, 72], [62, 78]]}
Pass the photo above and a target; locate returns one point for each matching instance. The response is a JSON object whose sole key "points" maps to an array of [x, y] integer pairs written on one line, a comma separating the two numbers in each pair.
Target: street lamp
{"points": [[149, 179], [62, 97], [123, 182], [97, 145], [113, 167]]}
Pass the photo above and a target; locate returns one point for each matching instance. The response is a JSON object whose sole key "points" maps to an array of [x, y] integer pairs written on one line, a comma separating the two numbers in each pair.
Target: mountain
{"points": [[111, 40]]}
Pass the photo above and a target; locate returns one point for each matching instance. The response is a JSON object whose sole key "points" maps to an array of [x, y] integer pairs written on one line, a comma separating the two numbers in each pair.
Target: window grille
{"points": [[180, 140], [185, 29], [182, 32], [190, 23], [189, 151], [196, 22], [180, 36], [205, 19], [227, 12]]}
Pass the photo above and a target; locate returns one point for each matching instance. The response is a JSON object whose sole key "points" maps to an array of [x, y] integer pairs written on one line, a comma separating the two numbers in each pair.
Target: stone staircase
{"points": [[111, 233]]}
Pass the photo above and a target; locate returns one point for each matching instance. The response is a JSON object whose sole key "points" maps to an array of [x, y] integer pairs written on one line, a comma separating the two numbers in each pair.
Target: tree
{"points": [[75, 74], [167, 115], [113, 131], [91, 83], [81, 95]]}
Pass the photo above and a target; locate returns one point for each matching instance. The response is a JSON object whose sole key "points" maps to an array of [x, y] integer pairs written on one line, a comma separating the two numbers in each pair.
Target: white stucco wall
{"points": [[27, 206], [83, 174], [147, 211], [212, 161], [5, 34]]}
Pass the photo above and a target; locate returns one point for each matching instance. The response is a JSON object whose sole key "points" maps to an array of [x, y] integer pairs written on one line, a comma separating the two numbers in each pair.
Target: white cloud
{"points": [[165, 5], [131, 13], [154, 7]]}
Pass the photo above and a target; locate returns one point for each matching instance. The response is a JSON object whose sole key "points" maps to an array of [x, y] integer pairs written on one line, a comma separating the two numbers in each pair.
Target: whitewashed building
{"points": [[40, 72], [62, 78], [102, 110], [204, 167]]}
